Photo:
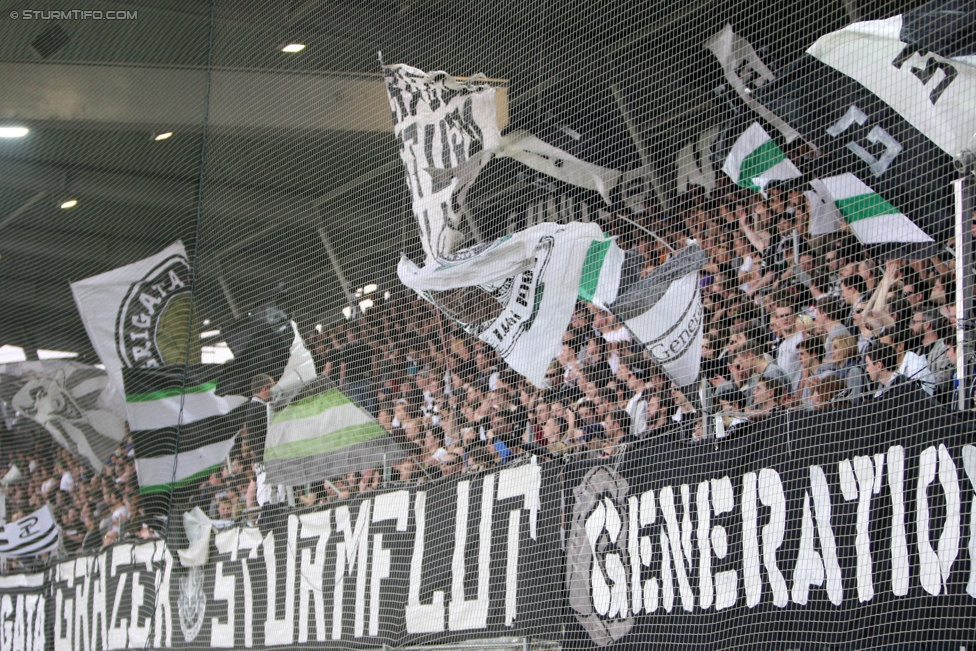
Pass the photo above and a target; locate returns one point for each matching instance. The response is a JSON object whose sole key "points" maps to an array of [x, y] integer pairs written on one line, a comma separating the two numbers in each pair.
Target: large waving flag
{"points": [[322, 433], [439, 122], [72, 401], [516, 294], [140, 315], [891, 102], [186, 419]]}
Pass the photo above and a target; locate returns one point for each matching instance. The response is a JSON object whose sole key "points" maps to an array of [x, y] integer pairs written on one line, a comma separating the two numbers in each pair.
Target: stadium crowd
{"points": [[791, 321]]}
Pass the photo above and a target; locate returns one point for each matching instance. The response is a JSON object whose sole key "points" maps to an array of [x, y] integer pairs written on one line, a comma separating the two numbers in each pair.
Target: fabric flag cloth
{"points": [[438, 122], [31, 535], [517, 294], [664, 312], [872, 219], [537, 155], [139, 315], [824, 216], [321, 433], [745, 72], [755, 160], [72, 401], [184, 419], [883, 103]]}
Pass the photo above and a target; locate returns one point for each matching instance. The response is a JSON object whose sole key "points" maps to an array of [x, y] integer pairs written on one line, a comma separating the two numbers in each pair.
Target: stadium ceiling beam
{"points": [[76, 247], [155, 98], [219, 200]]}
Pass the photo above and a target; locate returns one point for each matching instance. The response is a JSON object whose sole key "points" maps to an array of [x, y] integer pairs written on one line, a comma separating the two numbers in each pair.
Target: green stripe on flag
{"points": [[312, 406], [865, 206], [592, 266], [760, 159], [328, 443], [195, 478], [162, 394]]}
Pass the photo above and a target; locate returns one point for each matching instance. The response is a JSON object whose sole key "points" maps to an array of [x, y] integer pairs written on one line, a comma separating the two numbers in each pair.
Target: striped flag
{"points": [[31, 535], [608, 271], [755, 160], [170, 457], [872, 219], [322, 433], [185, 419]]}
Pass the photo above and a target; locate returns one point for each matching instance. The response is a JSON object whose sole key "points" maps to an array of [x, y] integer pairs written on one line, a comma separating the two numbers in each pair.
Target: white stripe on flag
{"points": [[871, 217], [165, 412], [317, 425], [158, 471], [609, 283]]}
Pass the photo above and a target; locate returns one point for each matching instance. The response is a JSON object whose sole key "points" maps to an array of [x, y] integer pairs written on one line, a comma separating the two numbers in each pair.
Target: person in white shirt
{"points": [[783, 326], [637, 405], [67, 479], [912, 366]]}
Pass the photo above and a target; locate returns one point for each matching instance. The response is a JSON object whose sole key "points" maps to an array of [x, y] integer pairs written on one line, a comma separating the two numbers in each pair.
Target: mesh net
{"points": [[640, 325]]}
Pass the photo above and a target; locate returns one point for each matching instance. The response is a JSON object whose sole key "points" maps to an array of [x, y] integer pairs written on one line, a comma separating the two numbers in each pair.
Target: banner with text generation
{"points": [[851, 529], [846, 529]]}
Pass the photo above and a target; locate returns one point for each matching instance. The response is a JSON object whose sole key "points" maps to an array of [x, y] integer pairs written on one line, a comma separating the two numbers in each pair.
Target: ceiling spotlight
{"points": [[163, 136], [13, 132], [70, 203], [292, 48]]}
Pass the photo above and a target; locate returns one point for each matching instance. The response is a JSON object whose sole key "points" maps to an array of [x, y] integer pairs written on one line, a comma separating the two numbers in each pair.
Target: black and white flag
{"points": [[34, 534], [74, 402], [439, 122], [887, 115]]}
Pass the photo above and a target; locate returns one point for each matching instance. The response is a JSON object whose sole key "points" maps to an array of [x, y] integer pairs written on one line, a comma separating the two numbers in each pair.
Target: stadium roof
{"points": [[282, 170]]}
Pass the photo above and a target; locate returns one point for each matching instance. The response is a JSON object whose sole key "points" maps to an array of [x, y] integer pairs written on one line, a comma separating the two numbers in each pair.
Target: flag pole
{"points": [[646, 230], [963, 194]]}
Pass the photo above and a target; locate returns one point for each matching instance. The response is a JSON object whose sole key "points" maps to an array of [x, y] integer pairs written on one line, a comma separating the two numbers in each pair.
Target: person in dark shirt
{"points": [[356, 372], [256, 415]]}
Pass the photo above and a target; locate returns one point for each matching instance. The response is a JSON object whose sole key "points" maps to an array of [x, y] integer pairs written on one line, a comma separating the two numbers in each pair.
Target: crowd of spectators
{"points": [[790, 321]]}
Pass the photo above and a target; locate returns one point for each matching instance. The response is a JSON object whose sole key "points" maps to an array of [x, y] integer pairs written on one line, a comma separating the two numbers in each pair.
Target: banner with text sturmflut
{"points": [[848, 529]]}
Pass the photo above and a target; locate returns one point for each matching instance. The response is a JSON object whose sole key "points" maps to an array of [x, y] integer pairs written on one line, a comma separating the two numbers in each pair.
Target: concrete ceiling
{"points": [[276, 156]]}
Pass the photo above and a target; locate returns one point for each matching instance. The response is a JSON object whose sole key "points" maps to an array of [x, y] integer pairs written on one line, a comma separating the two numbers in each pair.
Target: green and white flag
{"points": [[322, 433], [184, 419], [517, 294], [872, 219], [602, 270], [755, 160]]}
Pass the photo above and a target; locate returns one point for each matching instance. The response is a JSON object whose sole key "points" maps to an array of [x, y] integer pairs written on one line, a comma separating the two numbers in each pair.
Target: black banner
{"points": [[439, 563], [845, 529], [849, 529]]}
